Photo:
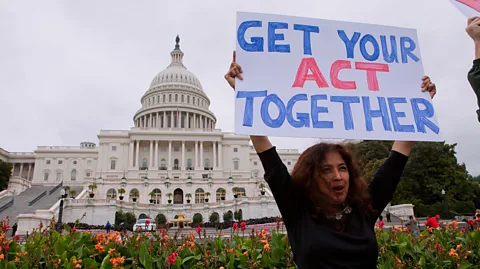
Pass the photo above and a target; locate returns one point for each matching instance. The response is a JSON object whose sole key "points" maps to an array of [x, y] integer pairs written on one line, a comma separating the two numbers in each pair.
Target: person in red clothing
{"points": [[432, 222]]}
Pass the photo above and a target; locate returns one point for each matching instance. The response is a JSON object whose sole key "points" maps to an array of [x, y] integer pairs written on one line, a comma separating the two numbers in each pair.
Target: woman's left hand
{"points": [[428, 85]]}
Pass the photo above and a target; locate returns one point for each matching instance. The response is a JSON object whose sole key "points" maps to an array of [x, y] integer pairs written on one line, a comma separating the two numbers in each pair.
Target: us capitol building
{"points": [[173, 161]]}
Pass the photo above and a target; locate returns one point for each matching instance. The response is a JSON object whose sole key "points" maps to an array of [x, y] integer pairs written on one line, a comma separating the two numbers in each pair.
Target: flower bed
{"points": [[448, 247]]}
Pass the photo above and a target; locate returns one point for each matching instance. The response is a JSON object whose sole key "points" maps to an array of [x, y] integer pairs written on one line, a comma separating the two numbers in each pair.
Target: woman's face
{"points": [[335, 179]]}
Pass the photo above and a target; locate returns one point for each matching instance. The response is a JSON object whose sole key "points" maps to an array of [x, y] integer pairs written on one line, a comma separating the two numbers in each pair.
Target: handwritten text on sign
{"points": [[327, 79]]}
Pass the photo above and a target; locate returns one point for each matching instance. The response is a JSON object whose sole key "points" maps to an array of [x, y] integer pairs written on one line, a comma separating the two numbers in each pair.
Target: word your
{"points": [[390, 55], [387, 112]]}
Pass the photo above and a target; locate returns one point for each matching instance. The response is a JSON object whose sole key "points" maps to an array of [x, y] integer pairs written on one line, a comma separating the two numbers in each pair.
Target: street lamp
{"points": [[445, 207], [60, 210]]}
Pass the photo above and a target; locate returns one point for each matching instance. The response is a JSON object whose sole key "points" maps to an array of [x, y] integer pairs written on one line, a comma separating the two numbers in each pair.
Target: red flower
{"points": [[74, 229], [243, 226], [172, 258], [438, 247], [235, 226], [199, 230], [208, 252], [470, 222], [147, 222], [16, 237]]}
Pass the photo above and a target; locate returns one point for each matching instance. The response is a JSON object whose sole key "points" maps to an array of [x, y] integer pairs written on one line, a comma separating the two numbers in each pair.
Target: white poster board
{"points": [[318, 78], [469, 8]]}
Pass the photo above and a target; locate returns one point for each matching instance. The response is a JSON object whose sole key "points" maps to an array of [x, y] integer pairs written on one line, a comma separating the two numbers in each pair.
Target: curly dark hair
{"points": [[307, 173]]}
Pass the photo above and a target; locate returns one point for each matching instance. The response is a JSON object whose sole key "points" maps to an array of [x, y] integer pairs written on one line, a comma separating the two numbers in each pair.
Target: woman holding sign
{"points": [[327, 208]]}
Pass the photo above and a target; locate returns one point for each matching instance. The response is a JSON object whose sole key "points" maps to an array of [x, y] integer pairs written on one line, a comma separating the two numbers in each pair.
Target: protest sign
{"points": [[469, 8], [329, 79]]}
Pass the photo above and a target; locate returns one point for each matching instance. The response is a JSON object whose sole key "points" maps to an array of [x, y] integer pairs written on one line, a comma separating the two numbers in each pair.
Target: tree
{"points": [[431, 168], [5, 174]]}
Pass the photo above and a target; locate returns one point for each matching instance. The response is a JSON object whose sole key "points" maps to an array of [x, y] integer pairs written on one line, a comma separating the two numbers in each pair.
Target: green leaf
{"points": [[277, 254], [464, 265], [105, 262]]}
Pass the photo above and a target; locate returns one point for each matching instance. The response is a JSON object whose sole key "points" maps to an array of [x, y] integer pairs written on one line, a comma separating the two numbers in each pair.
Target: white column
{"points": [[137, 154], [132, 154], [164, 119], [29, 171], [196, 154], [187, 125], [156, 155], [13, 168], [214, 154], [150, 167], [151, 120], [183, 155], [172, 122], [21, 170], [220, 155], [201, 154], [170, 155], [194, 120]]}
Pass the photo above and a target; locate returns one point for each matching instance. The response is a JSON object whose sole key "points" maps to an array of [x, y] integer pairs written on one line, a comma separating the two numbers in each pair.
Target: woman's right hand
{"points": [[234, 71]]}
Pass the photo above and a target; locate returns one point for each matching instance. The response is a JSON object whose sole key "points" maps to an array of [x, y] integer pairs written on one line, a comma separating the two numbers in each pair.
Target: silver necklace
{"points": [[339, 215]]}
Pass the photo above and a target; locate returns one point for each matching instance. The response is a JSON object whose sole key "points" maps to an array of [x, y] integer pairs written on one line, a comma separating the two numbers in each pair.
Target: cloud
{"points": [[71, 68]]}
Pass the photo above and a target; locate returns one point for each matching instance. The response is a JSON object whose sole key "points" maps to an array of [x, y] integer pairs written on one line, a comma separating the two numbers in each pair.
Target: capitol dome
{"points": [[175, 99]]}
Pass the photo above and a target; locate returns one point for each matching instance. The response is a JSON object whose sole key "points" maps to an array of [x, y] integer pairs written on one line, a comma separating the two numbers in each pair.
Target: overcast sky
{"points": [[71, 68]]}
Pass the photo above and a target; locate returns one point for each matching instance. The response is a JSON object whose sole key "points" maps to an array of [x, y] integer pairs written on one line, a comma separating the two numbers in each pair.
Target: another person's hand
{"points": [[473, 28], [234, 71], [428, 85]]}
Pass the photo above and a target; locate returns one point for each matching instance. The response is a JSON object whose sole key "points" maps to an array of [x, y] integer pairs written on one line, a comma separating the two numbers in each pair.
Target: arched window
{"points": [[59, 175], [74, 174], [156, 196], [170, 97], [144, 164], [163, 98], [189, 163], [46, 174], [134, 193], [183, 100], [178, 196], [175, 164], [220, 194], [239, 191], [199, 196], [162, 164], [111, 194], [176, 97], [188, 99]]}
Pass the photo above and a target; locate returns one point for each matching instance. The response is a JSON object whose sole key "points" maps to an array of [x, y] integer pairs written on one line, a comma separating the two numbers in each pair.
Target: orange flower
{"points": [[117, 261], [17, 259], [266, 247], [455, 224], [99, 247], [453, 253], [111, 252], [1, 257], [245, 253], [101, 238]]}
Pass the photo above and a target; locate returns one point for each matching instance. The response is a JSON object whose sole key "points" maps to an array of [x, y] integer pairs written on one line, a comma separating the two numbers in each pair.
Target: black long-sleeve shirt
{"points": [[315, 243], [474, 80]]}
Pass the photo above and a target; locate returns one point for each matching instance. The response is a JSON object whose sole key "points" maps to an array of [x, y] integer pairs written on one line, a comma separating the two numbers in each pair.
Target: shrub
{"points": [[447, 247]]}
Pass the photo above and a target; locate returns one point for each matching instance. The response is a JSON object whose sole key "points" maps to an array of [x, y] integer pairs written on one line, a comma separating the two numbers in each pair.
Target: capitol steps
{"points": [[21, 202]]}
